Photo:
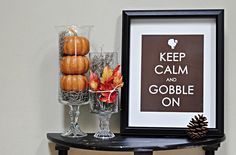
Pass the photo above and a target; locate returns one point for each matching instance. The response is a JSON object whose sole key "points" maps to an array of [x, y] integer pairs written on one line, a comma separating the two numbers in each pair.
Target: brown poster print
{"points": [[172, 73]]}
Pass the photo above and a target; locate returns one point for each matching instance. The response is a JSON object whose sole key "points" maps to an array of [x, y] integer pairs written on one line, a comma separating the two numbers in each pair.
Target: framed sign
{"points": [[173, 69]]}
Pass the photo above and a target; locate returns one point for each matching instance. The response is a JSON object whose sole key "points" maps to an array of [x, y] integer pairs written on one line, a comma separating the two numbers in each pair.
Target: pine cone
{"points": [[197, 127]]}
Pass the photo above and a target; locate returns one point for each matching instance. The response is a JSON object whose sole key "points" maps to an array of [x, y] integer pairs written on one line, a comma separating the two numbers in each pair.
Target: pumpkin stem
{"points": [[73, 30]]}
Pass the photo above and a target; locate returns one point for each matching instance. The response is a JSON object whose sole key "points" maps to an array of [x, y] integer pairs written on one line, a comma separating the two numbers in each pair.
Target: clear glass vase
{"points": [[104, 110], [74, 46], [104, 103], [99, 60]]}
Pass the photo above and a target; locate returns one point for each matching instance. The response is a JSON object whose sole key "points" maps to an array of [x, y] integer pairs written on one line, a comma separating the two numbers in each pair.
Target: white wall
{"points": [[28, 66]]}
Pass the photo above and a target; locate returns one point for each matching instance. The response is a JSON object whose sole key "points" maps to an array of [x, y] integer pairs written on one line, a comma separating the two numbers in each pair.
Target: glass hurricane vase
{"points": [[104, 110], [74, 46]]}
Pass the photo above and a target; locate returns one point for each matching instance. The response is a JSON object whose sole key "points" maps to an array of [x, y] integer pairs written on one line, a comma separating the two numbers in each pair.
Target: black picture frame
{"points": [[127, 17]]}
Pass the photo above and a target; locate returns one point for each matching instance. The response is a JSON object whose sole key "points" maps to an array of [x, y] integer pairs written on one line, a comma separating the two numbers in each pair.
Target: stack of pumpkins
{"points": [[74, 64]]}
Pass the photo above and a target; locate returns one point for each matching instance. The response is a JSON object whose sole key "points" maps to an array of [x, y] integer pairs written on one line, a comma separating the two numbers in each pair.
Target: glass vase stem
{"points": [[74, 130], [104, 122], [74, 114]]}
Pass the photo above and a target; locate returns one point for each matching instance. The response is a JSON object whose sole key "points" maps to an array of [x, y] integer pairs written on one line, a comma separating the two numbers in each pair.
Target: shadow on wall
{"points": [[41, 149], [48, 79], [52, 149], [118, 35], [115, 119], [47, 58]]}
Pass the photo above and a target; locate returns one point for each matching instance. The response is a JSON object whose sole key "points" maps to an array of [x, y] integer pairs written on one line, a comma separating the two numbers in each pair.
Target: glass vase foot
{"points": [[74, 132], [104, 130], [104, 134]]}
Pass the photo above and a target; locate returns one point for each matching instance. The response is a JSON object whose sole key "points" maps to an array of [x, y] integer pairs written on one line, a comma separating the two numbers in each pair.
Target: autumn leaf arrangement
{"points": [[106, 87]]}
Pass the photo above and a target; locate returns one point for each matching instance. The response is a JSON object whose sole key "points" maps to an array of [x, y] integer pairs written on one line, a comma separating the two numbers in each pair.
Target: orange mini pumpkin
{"points": [[74, 64], [75, 45], [74, 82]]}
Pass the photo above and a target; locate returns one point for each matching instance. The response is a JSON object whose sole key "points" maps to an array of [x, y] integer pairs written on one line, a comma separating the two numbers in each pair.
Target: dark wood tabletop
{"points": [[131, 143]]}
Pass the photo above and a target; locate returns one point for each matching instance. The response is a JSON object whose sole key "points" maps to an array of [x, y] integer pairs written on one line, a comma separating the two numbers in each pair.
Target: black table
{"points": [[139, 145]]}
